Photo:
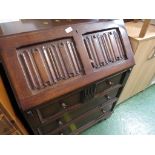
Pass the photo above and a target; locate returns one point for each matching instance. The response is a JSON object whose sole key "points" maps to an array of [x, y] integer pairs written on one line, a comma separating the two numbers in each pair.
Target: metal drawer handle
{"points": [[103, 111], [110, 82], [108, 97], [60, 123], [64, 105]]}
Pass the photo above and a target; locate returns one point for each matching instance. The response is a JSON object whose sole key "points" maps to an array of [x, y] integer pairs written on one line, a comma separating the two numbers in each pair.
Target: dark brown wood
{"points": [[11, 45], [89, 124], [73, 106], [27, 25], [65, 68]]}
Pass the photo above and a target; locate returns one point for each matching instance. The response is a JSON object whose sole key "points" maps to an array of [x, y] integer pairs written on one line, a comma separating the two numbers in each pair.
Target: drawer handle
{"points": [[60, 123], [30, 113], [108, 97], [110, 83], [103, 111], [64, 105]]}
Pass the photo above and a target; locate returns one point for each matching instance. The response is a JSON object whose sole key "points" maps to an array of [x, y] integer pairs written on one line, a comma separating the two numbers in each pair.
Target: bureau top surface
{"points": [[46, 64], [134, 28], [29, 25]]}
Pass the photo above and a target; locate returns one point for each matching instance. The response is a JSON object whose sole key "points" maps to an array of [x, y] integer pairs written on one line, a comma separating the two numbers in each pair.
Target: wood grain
{"points": [[144, 71]]}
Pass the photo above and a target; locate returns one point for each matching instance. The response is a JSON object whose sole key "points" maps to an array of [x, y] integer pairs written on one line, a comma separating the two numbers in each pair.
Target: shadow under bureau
{"points": [[69, 77]]}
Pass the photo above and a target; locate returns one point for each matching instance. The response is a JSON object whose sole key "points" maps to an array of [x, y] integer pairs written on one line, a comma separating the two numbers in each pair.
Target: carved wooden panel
{"points": [[49, 63], [104, 47]]}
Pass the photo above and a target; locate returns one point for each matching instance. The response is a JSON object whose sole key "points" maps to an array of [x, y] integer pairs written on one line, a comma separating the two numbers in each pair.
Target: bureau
{"points": [[68, 77]]}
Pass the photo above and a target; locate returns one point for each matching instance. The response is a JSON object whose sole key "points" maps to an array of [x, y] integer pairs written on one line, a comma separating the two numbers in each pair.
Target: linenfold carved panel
{"points": [[49, 63], [104, 47]]}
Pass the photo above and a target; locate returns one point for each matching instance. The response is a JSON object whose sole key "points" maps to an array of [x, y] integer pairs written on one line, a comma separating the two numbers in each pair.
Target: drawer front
{"points": [[109, 82], [49, 127], [53, 110], [71, 105], [68, 125], [63, 112], [102, 113]]}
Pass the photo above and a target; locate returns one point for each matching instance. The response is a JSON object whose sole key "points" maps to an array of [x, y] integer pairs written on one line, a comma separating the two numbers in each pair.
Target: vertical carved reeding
{"points": [[48, 63], [104, 47]]}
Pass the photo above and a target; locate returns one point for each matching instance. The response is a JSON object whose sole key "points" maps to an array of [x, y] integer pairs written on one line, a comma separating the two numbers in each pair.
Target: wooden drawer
{"points": [[73, 102], [53, 110], [61, 126], [109, 82], [49, 127], [49, 117]]}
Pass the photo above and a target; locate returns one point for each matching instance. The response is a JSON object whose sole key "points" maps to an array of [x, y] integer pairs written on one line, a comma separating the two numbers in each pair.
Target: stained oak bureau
{"points": [[68, 77]]}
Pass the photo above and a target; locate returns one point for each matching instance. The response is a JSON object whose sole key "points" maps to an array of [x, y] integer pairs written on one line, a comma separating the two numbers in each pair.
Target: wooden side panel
{"points": [[104, 47], [143, 72], [49, 63]]}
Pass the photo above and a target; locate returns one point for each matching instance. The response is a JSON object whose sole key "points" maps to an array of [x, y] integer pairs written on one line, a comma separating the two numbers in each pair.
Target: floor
{"points": [[134, 116]]}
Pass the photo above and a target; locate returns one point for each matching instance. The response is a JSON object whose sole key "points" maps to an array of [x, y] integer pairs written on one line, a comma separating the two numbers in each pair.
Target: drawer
{"points": [[73, 107], [98, 100], [84, 118], [49, 127], [109, 82], [66, 122], [52, 110], [103, 113]]}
